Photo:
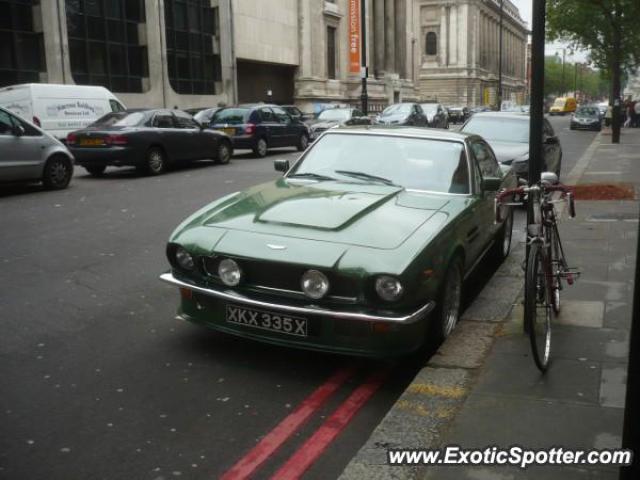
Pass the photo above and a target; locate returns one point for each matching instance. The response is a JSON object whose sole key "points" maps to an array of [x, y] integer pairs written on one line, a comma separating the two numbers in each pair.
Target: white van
{"points": [[59, 109]]}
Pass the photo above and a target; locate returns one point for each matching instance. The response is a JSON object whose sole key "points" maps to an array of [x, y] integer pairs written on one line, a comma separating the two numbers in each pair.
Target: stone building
{"points": [[459, 51]]}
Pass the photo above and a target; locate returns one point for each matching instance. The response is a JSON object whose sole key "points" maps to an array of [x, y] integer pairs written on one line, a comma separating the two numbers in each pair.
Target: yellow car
{"points": [[563, 105]]}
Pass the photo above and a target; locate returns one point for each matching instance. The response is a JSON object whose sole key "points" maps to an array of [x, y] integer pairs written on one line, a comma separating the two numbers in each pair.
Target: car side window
{"points": [[163, 120], [281, 115], [357, 113], [184, 120], [486, 161], [6, 126], [418, 109], [268, 116], [116, 106], [29, 131]]}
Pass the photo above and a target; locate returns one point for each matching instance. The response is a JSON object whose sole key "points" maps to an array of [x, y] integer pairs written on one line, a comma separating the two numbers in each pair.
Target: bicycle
{"points": [[546, 265]]}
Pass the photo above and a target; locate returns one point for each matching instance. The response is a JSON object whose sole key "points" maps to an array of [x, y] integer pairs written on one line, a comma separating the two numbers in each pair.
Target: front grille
{"points": [[281, 276]]}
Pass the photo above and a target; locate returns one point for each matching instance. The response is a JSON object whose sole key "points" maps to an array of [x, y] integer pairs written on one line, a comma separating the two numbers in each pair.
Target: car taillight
{"points": [[71, 139], [116, 140], [36, 121], [250, 129]]}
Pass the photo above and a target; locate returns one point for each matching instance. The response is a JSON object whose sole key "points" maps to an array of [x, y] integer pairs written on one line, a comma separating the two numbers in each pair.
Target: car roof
{"points": [[511, 115], [427, 133]]}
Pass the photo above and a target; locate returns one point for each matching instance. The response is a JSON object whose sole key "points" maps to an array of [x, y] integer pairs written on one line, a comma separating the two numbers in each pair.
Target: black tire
{"points": [[536, 293], [57, 173], [261, 147], [447, 314], [96, 170], [303, 142], [155, 162], [224, 153], [502, 244]]}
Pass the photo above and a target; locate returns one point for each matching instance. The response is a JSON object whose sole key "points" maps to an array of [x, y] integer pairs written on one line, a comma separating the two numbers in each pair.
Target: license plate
{"points": [[273, 322], [91, 141], [229, 131]]}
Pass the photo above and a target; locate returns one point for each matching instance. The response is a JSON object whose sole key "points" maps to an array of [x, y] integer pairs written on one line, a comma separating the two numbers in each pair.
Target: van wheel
{"points": [[57, 173], [96, 170], [260, 150], [155, 162]]}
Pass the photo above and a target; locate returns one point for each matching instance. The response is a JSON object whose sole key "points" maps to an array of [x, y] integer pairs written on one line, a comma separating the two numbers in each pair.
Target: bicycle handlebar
{"points": [[567, 192]]}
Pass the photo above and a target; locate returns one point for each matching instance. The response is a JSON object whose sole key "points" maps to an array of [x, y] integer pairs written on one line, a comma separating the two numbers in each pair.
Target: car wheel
{"points": [[448, 309], [502, 244], [57, 173], [260, 150], [224, 153], [155, 161], [96, 170], [303, 142]]}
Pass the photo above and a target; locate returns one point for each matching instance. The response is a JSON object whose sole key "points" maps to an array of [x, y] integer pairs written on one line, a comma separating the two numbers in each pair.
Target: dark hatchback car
{"points": [[261, 127], [149, 140], [333, 117], [508, 136], [587, 118], [437, 116], [406, 114], [458, 114]]}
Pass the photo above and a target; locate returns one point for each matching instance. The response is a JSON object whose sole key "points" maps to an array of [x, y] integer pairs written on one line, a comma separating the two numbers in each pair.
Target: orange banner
{"points": [[354, 36]]}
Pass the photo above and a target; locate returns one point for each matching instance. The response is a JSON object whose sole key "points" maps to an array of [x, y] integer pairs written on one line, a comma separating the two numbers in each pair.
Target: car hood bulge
{"points": [[507, 151], [374, 216]]}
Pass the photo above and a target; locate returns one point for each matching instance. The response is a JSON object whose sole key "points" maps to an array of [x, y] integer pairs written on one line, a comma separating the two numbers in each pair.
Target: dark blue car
{"points": [[261, 127]]}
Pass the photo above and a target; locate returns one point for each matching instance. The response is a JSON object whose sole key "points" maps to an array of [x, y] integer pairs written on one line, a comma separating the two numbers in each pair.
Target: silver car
{"points": [[29, 154]]}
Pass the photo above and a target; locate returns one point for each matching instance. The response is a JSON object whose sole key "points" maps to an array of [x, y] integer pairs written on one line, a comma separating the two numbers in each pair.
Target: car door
{"points": [[271, 127], [291, 130], [165, 132], [21, 146], [551, 148], [488, 167], [191, 138]]}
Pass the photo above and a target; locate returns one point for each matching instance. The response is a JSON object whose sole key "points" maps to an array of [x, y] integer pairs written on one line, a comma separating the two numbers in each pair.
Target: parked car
{"points": [[334, 117], [602, 108], [586, 118], [261, 127], [59, 109], [563, 105], [302, 261], [149, 140], [480, 109], [458, 114], [508, 136], [437, 116], [204, 116], [297, 114], [407, 114], [28, 153]]}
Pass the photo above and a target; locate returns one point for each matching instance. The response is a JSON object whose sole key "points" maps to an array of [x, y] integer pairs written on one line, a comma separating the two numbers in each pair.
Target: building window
{"points": [[21, 49], [104, 47], [191, 26], [432, 44], [331, 52]]}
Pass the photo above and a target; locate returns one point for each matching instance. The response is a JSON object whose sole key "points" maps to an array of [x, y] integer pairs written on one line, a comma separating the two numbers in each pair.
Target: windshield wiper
{"points": [[315, 176], [366, 176]]}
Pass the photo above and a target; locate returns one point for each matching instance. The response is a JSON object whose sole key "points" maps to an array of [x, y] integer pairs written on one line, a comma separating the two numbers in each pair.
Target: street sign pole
{"points": [[364, 96]]}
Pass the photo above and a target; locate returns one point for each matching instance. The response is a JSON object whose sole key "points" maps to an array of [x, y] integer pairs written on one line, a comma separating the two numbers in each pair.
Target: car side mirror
{"points": [[551, 140], [281, 165], [18, 130], [491, 184]]}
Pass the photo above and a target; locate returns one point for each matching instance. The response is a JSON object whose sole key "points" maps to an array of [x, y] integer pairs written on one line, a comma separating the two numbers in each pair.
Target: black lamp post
{"points": [[364, 96]]}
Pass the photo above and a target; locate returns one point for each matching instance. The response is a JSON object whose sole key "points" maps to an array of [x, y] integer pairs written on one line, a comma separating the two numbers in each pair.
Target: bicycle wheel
{"points": [[538, 310]]}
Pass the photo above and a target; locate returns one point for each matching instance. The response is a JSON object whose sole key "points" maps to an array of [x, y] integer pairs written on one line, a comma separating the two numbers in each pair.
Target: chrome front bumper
{"points": [[307, 310]]}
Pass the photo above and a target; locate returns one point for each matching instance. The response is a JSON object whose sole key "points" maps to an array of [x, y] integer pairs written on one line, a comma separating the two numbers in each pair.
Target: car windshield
{"points": [[559, 102], [204, 116], [587, 112], [429, 108], [335, 114], [120, 119], [412, 163], [499, 129], [232, 116], [396, 109]]}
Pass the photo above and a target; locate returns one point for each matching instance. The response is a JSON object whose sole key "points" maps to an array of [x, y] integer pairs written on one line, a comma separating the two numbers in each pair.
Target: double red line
{"points": [[311, 450]]}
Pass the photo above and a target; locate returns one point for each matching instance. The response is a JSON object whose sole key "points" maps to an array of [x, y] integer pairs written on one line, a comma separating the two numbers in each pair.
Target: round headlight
{"points": [[314, 284], [184, 259], [388, 288], [229, 272]]}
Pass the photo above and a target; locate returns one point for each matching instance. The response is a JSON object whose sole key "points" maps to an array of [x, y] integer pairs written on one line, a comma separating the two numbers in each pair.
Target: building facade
{"points": [[458, 54], [196, 53]]}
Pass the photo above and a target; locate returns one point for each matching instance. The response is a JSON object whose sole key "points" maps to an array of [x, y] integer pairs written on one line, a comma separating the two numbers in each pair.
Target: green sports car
{"points": [[361, 247]]}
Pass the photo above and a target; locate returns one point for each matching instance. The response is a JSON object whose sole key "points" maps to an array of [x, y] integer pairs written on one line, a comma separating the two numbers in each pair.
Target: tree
{"points": [[593, 84], [609, 30]]}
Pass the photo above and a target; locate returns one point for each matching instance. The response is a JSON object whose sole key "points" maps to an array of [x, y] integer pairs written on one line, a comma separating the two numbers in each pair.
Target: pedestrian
{"points": [[630, 114], [608, 116], [636, 116]]}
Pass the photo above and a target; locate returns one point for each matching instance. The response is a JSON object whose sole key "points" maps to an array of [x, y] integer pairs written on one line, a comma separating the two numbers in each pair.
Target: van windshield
{"points": [[119, 119]]}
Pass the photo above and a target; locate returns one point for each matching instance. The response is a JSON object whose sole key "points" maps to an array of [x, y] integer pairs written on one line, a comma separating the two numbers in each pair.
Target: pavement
{"points": [[482, 388]]}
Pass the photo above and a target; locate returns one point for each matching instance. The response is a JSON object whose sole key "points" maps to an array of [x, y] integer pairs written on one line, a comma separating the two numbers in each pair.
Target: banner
{"points": [[354, 36]]}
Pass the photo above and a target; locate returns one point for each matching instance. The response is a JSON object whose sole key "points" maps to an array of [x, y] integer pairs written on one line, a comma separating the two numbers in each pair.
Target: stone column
{"points": [[379, 37], [443, 41], [390, 36], [304, 31], [401, 36]]}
